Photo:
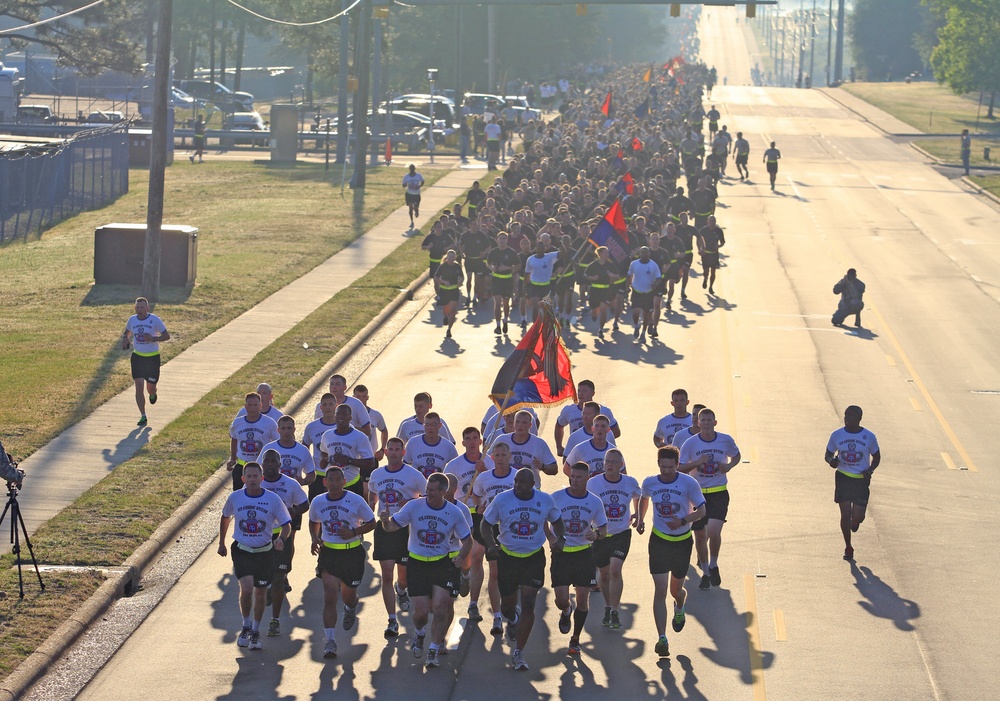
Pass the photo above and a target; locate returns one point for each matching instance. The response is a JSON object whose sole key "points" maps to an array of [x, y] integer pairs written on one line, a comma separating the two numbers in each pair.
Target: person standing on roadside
{"points": [[412, 182], [854, 453], [966, 149], [199, 140], [143, 334]]}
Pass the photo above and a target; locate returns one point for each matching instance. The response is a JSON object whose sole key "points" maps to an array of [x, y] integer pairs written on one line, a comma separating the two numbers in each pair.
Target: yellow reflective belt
{"points": [[514, 554], [673, 538], [503, 276], [321, 473], [435, 260], [454, 554], [713, 490], [356, 479], [620, 280], [595, 286], [851, 475], [540, 284], [708, 250], [422, 558], [342, 546], [704, 214], [575, 548], [450, 287], [147, 355], [241, 462]]}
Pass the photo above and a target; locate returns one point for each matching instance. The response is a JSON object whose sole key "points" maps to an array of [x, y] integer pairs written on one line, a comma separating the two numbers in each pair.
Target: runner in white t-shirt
{"points": [[348, 448], [143, 334], [571, 415], [527, 450], [592, 451], [296, 460], [248, 434], [673, 422], [297, 503], [430, 452], [484, 488], [854, 453], [414, 425], [412, 182]]}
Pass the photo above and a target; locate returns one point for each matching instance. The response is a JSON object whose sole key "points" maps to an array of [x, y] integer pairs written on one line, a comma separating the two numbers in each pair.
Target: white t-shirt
{"points": [[354, 444], [539, 270], [431, 529], [428, 458], [582, 435], [589, 453], [464, 469], [669, 425], [491, 417], [296, 462], [412, 427], [854, 450], [291, 492], [522, 522], [378, 425], [255, 518], [359, 415], [523, 455], [349, 511], [272, 411], [579, 515], [572, 415], [142, 329], [671, 500], [492, 131], [312, 436], [683, 435], [455, 545], [413, 183], [617, 499], [252, 436], [489, 484], [643, 275], [719, 450], [396, 487]]}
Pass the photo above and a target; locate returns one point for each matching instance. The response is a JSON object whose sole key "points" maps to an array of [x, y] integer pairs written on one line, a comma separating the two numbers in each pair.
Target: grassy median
{"points": [[260, 227]]}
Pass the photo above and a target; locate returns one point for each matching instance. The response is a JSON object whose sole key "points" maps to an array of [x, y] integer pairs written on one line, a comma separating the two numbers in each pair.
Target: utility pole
{"points": [[157, 156], [829, 43], [345, 43], [838, 67], [377, 88], [491, 46], [812, 46], [362, 64], [211, 50]]}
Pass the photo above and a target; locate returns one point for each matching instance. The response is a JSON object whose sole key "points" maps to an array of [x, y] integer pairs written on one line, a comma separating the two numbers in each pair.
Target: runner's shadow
{"points": [[860, 332], [620, 347], [717, 302], [727, 628], [689, 682], [450, 348], [503, 346], [882, 600], [127, 446], [255, 680]]}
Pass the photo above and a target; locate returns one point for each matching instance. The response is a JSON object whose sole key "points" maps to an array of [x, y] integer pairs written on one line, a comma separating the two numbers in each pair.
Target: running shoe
{"points": [[614, 327], [244, 638], [679, 620], [474, 615], [615, 621], [512, 630], [142, 421], [464, 585], [574, 646], [497, 331], [255, 640], [417, 646], [350, 617], [497, 628], [152, 398], [714, 576], [662, 648], [402, 600], [642, 338], [564, 620], [274, 628], [329, 649], [447, 334], [606, 622], [706, 582], [432, 658], [517, 660], [392, 629], [635, 334], [849, 554], [855, 525], [505, 326]]}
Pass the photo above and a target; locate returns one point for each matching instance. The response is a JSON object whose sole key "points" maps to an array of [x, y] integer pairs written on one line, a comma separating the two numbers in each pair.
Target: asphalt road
{"points": [[912, 618]]}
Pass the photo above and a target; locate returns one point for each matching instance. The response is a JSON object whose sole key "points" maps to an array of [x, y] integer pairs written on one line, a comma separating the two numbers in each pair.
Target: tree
{"points": [[882, 34], [108, 36], [967, 57]]}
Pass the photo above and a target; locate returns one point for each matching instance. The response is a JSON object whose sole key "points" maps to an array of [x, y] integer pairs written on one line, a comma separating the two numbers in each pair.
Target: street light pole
{"points": [[431, 78]]}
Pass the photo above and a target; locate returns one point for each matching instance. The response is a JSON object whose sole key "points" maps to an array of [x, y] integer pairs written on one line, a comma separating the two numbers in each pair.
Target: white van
{"points": [[10, 84], [245, 121]]}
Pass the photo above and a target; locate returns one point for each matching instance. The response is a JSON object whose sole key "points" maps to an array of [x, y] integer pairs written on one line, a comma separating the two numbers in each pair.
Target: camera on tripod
{"points": [[9, 470]]}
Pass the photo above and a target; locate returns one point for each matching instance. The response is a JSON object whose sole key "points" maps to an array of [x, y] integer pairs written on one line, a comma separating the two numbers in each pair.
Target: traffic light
{"points": [[675, 10], [751, 10], [581, 9]]}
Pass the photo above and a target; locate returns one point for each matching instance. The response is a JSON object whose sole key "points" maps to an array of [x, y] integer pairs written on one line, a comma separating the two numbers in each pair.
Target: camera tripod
{"points": [[15, 536]]}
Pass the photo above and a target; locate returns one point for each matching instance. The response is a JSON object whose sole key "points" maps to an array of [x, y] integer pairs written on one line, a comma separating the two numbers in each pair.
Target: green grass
{"points": [[988, 182], [927, 107], [259, 228], [949, 150]]}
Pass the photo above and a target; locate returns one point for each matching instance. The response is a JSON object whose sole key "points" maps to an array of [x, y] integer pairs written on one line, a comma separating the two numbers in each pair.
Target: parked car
{"points": [[35, 114], [481, 103], [245, 121], [443, 107], [102, 117], [218, 94], [525, 111]]}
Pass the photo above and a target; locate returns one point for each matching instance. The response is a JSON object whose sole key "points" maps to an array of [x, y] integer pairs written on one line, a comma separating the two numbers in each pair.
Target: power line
{"points": [[291, 24], [51, 19]]}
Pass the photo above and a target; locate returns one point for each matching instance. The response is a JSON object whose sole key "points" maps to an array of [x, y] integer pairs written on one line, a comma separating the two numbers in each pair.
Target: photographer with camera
{"points": [[851, 291], [143, 333]]}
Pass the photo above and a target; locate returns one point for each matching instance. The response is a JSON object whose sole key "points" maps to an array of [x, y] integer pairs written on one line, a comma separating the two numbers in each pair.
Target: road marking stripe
{"points": [[889, 359], [753, 639], [948, 461], [779, 626], [923, 390], [915, 403]]}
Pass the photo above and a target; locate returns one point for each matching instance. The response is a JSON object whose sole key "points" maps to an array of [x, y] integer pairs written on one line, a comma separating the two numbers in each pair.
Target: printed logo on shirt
{"points": [[615, 509], [575, 525], [667, 508], [251, 525], [390, 497], [430, 536], [524, 527], [251, 446]]}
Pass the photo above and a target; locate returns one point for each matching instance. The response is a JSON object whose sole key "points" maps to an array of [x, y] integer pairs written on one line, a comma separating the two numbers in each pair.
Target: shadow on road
{"points": [[882, 600]]}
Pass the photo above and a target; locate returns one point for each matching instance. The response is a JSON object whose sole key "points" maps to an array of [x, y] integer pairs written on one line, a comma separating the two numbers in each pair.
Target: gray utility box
{"points": [[119, 252]]}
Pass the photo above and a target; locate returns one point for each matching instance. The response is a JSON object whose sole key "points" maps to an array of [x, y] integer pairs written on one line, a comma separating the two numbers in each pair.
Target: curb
{"points": [[126, 582], [980, 190]]}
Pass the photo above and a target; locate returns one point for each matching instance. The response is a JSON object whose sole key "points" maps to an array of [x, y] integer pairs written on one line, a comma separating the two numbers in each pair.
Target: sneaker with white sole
{"points": [[402, 600], [329, 649], [517, 660], [244, 638], [350, 617], [417, 646], [432, 658], [274, 628], [392, 629], [255, 640]]}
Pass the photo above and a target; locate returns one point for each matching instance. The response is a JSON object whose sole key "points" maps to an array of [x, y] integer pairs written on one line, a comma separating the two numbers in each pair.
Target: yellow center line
{"points": [[915, 403], [753, 639], [926, 394], [889, 359], [948, 461], [779, 626]]}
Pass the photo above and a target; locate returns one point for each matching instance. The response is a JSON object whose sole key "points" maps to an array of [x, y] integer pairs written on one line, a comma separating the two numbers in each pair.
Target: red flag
{"points": [[538, 372], [636, 144], [629, 184], [608, 109], [612, 232]]}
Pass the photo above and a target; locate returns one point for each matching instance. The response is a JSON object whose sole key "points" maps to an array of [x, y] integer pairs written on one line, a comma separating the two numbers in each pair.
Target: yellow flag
{"points": [[647, 75]]}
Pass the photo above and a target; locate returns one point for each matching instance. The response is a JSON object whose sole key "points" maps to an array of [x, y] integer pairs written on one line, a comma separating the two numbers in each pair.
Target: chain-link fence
{"points": [[43, 183]]}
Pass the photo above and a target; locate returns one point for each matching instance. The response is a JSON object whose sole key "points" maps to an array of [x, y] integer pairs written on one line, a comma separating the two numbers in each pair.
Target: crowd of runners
{"points": [[643, 138]]}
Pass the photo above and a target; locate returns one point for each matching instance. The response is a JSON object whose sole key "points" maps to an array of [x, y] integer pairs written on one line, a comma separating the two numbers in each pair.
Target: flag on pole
{"points": [[647, 76], [608, 108], [612, 233], [642, 109], [538, 372], [626, 185], [619, 161], [636, 144]]}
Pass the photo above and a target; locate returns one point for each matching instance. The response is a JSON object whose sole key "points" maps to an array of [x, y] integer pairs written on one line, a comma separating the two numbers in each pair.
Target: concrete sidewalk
{"points": [[78, 458], [871, 114]]}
